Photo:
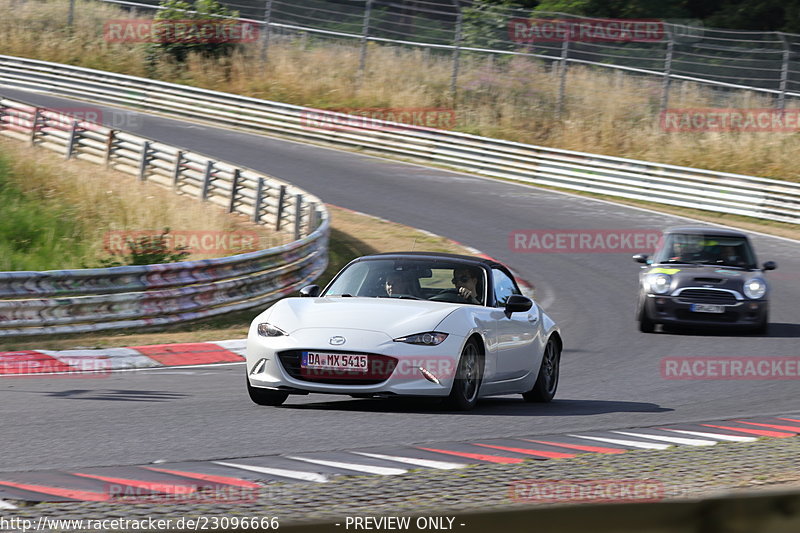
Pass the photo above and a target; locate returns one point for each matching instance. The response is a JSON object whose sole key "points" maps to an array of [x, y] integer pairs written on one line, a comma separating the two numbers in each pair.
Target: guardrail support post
{"points": [[281, 207], [265, 37], [73, 134], [456, 49], [784, 71], [237, 175], [2, 112], [112, 134], [313, 217], [207, 179], [362, 61], [34, 126], [667, 69], [143, 161], [298, 215], [259, 201], [176, 170]]}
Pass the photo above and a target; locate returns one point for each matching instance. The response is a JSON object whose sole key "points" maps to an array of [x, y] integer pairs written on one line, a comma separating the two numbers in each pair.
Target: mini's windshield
{"points": [[685, 248], [416, 279]]}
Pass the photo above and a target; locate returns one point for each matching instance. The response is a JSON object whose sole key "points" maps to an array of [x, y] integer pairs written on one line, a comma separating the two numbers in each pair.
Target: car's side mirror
{"points": [[517, 303], [770, 265], [310, 291], [641, 258]]}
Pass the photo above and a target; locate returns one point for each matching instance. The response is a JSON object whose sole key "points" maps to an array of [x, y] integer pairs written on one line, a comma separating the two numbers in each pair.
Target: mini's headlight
{"points": [[755, 288], [268, 330], [659, 283], [430, 338]]}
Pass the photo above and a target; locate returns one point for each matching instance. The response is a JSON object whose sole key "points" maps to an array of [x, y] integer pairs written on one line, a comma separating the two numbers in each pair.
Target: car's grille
{"points": [[708, 296], [380, 368]]}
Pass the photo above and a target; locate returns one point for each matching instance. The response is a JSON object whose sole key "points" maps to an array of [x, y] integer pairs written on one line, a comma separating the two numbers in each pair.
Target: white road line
{"points": [[427, 463], [675, 440], [7, 506], [634, 444], [732, 438], [292, 474], [367, 469]]}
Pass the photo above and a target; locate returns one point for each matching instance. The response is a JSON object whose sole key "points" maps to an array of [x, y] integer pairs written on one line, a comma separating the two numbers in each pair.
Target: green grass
{"points": [[36, 233]]}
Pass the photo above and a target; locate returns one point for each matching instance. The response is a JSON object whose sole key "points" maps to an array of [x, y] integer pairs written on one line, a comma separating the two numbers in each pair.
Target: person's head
{"points": [[397, 283], [467, 278]]}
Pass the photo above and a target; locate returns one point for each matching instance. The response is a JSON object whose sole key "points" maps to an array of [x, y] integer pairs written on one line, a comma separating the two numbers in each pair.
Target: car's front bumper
{"points": [[272, 362], [674, 310]]}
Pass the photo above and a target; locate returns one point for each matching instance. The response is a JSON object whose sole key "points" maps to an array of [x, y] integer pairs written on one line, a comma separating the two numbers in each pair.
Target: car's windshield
{"points": [[418, 279], [686, 248]]}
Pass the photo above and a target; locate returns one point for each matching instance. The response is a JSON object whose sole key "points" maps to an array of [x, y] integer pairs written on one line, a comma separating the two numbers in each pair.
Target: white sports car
{"points": [[407, 324]]}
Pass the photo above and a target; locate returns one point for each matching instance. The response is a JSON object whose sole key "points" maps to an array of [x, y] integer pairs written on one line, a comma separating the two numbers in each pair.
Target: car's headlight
{"points": [[659, 283], [430, 338], [755, 288], [268, 330]]}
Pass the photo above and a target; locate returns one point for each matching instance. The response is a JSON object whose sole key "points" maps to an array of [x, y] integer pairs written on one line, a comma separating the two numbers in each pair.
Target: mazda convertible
{"points": [[407, 324]]}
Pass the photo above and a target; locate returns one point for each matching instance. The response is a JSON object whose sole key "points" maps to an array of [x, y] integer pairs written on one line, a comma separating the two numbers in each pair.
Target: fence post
{"points": [[176, 171], [143, 162], [281, 207], [259, 201], [35, 126], [298, 215], [667, 69], [73, 134], [562, 75], [784, 71], [71, 14], [362, 62], [456, 48], [265, 37], [112, 135], [207, 179], [237, 174]]}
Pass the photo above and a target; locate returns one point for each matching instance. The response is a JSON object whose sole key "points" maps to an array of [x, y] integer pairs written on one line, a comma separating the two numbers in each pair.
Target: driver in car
{"points": [[466, 283], [397, 283]]}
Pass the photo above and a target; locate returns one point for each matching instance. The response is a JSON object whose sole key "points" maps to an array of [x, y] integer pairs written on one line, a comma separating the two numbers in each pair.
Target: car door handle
{"points": [[533, 319]]}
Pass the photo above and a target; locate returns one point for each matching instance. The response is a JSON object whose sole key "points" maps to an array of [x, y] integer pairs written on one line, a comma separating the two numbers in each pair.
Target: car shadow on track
{"points": [[118, 395], [777, 330], [497, 406]]}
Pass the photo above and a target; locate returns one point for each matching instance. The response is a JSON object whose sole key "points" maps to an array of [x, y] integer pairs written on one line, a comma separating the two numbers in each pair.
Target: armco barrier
{"points": [[625, 178], [79, 301]]}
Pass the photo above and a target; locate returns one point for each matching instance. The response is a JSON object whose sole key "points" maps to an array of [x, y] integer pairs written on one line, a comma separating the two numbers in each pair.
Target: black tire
{"points": [[469, 375], [646, 325], [544, 390], [265, 396], [763, 325]]}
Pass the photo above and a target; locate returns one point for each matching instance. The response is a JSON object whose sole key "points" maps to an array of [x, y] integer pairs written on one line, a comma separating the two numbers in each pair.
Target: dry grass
{"points": [[100, 201], [512, 98]]}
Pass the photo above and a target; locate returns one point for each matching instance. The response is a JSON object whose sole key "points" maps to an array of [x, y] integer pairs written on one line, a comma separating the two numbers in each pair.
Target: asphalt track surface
{"points": [[610, 375]]}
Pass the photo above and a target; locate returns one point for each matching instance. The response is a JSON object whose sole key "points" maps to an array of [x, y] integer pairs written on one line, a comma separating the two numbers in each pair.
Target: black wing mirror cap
{"points": [[517, 303], [770, 265], [641, 258], [310, 291]]}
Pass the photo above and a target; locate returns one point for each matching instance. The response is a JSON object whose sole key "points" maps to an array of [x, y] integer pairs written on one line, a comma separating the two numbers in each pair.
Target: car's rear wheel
{"points": [[265, 396], [546, 384], [469, 375]]}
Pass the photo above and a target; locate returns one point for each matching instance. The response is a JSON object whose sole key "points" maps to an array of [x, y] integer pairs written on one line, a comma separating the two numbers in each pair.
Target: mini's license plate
{"points": [[334, 361], [708, 308]]}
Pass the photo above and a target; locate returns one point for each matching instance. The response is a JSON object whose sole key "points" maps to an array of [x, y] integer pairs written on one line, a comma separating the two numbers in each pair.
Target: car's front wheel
{"points": [[265, 396], [646, 324], [546, 384], [467, 383]]}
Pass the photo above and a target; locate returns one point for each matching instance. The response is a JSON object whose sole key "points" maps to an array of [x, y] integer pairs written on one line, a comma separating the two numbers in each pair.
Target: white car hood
{"points": [[394, 317]]}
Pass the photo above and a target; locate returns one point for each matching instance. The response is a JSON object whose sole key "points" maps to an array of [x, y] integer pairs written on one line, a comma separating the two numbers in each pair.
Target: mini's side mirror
{"points": [[310, 291], [641, 258], [517, 303], [770, 265]]}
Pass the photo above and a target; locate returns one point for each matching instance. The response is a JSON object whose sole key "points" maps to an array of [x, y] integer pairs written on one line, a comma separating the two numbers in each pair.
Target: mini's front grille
{"points": [[707, 296], [380, 368], [708, 280]]}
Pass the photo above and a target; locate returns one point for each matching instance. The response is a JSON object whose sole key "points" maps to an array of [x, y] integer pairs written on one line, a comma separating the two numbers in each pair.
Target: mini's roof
{"points": [[705, 230]]}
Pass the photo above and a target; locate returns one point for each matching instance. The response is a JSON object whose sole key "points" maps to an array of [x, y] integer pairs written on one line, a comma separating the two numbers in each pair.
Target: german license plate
{"points": [[334, 361], [708, 308]]}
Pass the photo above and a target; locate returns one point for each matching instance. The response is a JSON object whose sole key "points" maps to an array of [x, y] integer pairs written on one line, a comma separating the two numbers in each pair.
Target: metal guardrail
{"points": [[721, 192], [78, 301]]}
